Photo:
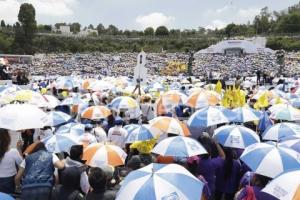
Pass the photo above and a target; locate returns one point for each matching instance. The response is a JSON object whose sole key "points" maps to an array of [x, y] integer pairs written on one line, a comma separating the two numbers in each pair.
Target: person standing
{"points": [[9, 160], [117, 135], [37, 173]]}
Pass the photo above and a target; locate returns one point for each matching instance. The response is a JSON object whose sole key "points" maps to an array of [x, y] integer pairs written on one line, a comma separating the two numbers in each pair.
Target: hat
{"points": [[134, 162], [76, 152], [119, 122], [108, 170]]}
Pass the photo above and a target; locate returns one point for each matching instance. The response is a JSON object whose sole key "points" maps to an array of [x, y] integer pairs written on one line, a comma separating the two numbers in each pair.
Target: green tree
{"points": [[75, 27], [27, 20], [162, 31], [112, 30], [91, 26], [149, 31], [100, 29], [3, 24], [262, 21]]}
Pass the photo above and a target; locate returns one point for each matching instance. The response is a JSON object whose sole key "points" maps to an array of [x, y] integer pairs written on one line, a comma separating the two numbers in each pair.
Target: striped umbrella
{"points": [[97, 155], [236, 136], [264, 121], [203, 99], [131, 127], [287, 112], [169, 100], [160, 181], [95, 112], [101, 85], [179, 146], [170, 125], [60, 143], [210, 116], [246, 114], [292, 143], [270, 160], [55, 118], [280, 131], [285, 187], [72, 128], [66, 83], [142, 133], [123, 103]]}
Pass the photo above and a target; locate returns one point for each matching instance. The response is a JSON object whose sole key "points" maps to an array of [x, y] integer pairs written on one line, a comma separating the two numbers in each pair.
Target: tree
{"points": [[100, 29], [27, 20], [262, 21], [58, 25], [162, 31], [112, 30], [149, 31], [91, 26], [75, 27], [2, 24]]}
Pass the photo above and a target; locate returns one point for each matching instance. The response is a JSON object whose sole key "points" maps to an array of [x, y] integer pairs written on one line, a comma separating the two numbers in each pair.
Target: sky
{"points": [[139, 14]]}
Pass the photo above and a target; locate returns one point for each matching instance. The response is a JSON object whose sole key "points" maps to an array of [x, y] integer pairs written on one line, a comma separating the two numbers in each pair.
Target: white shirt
{"points": [[54, 160], [100, 134], [117, 136], [8, 163], [87, 138]]}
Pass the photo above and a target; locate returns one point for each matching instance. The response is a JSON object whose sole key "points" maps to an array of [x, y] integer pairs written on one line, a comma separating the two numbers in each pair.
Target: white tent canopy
{"points": [[245, 46]]}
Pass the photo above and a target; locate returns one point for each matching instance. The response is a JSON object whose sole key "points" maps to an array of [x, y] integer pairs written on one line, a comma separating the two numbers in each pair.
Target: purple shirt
{"points": [[259, 195], [229, 185]]}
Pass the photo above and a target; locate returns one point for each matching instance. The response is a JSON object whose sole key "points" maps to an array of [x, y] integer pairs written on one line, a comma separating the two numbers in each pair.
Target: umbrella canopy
{"points": [[287, 112], [236, 136], [21, 116], [170, 125], [295, 102], [264, 121], [60, 143], [55, 118], [96, 112], [293, 144], [160, 181], [131, 127], [169, 100], [65, 83], [101, 85], [51, 101], [285, 187], [203, 99], [246, 114], [72, 128], [97, 155], [210, 116], [280, 131], [270, 160], [73, 101], [4, 196], [123, 103], [179, 146], [142, 133]]}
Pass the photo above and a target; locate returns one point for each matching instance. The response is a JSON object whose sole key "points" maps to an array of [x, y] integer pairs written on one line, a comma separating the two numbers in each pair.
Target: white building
{"points": [[65, 30], [88, 32]]}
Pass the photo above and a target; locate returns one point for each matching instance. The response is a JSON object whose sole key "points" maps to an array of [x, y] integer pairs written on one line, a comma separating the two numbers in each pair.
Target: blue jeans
{"points": [[7, 185], [36, 193]]}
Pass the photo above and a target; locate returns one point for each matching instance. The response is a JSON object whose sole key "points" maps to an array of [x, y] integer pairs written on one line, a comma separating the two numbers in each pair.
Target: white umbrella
{"points": [[21, 116]]}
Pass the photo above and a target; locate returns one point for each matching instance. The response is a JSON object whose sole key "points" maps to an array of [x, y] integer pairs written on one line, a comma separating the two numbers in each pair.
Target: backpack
{"points": [[250, 193], [58, 191]]}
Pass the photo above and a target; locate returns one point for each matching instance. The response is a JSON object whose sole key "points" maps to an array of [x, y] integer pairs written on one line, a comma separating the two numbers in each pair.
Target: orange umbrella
{"points": [[203, 99], [96, 112], [99, 154], [170, 125]]}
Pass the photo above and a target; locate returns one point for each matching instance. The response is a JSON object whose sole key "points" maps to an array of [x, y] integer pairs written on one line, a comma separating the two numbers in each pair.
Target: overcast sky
{"points": [[138, 14]]}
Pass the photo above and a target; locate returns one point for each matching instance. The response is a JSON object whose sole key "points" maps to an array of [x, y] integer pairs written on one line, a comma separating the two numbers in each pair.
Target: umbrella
{"points": [[203, 99], [72, 128], [210, 116], [246, 114], [280, 131], [65, 83], [160, 181], [142, 133], [73, 101], [101, 85], [264, 121], [55, 118], [60, 143], [21, 116], [169, 100], [170, 125], [293, 144], [285, 187], [295, 102], [131, 127], [95, 112], [236, 136], [4, 196], [123, 103], [51, 101], [179, 146], [86, 83], [287, 112], [98, 154], [270, 160]]}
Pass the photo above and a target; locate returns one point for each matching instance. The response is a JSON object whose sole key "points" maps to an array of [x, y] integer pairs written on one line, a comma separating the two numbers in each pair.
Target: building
{"points": [[237, 47], [88, 32], [65, 30]]}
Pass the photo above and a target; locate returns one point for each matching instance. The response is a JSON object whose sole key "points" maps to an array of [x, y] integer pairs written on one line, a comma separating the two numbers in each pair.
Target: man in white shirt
{"points": [[117, 135]]}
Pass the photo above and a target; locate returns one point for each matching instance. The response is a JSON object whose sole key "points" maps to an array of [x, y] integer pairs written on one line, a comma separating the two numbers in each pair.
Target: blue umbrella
{"points": [[245, 114], [280, 131], [4, 196], [264, 121], [55, 118], [74, 128], [142, 133], [160, 181], [236, 136]]}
